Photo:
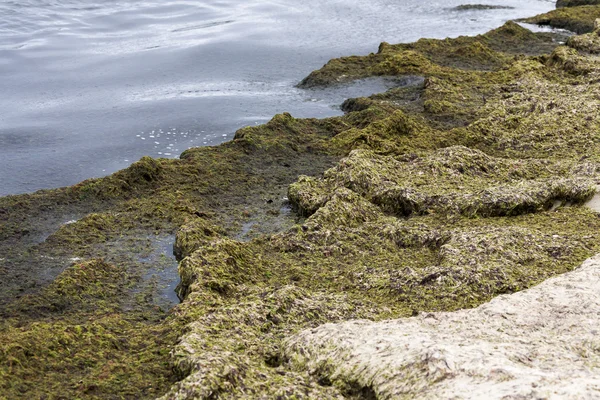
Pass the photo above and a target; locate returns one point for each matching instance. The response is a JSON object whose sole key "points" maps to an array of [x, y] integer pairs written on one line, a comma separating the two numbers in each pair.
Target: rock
{"points": [[539, 343], [589, 43], [467, 7], [575, 3], [575, 19], [473, 184]]}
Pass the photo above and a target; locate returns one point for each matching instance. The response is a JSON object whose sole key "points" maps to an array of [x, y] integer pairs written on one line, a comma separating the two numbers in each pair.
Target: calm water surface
{"points": [[89, 86]]}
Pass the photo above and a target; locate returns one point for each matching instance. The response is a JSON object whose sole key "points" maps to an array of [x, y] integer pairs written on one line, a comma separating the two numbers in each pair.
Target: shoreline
{"points": [[433, 197], [178, 87]]}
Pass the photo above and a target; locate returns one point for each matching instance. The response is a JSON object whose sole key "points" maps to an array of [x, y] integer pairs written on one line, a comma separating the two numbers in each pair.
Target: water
{"points": [[161, 273], [89, 86]]}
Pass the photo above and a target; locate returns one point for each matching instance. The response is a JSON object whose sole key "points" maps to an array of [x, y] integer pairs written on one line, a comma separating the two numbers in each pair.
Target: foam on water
{"points": [[81, 79]]}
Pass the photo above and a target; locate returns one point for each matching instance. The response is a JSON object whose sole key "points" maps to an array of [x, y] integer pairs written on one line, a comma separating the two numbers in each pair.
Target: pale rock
{"points": [[541, 343]]}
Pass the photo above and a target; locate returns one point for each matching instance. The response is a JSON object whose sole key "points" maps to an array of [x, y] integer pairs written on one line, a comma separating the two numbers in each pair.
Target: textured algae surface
{"points": [[576, 16], [82, 315], [470, 187], [431, 197], [575, 3]]}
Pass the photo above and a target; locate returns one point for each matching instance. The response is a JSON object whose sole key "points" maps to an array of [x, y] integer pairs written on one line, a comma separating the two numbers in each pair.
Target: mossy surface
{"points": [[578, 19], [576, 3], [472, 187], [83, 305], [74, 340], [437, 196], [454, 180], [589, 43], [428, 57]]}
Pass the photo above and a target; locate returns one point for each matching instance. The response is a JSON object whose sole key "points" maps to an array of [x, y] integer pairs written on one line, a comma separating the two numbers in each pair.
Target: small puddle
{"points": [[50, 225], [163, 269], [335, 95], [286, 210], [244, 232]]}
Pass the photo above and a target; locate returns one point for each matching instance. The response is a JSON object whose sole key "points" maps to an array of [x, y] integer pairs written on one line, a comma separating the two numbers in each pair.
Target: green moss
{"points": [[42, 350], [460, 195], [452, 180], [568, 60], [351, 260], [431, 57], [194, 235]]}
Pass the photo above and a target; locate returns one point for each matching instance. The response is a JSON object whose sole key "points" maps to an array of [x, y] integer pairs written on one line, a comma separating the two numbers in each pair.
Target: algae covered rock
{"points": [[570, 61], [193, 235], [467, 7], [101, 328], [348, 260], [452, 180], [430, 57], [576, 3], [76, 332], [461, 189], [537, 343], [576, 19], [589, 43]]}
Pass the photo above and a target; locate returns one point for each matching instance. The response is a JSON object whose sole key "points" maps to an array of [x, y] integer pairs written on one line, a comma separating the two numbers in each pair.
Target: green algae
{"points": [[73, 340], [452, 180], [467, 7], [589, 43], [433, 197], [128, 356], [116, 219], [350, 260], [428, 212], [576, 19], [576, 3], [429, 57]]}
